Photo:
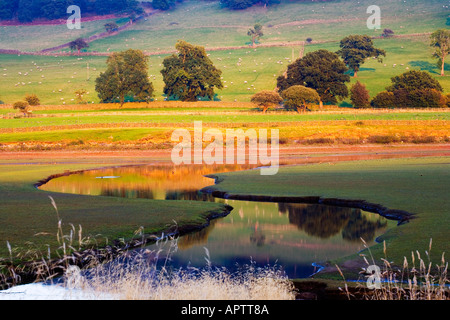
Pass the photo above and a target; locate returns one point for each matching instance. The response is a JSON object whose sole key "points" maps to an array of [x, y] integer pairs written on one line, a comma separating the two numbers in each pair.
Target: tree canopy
{"points": [[299, 97], [190, 74], [321, 70], [126, 74], [266, 99], [255, 33], [355, 49], [78, 44], [412, 89], [29, 10], [440, 41]]}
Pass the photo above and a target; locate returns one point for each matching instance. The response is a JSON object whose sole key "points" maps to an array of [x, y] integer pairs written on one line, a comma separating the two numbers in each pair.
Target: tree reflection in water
{"points": [[326, 221]]}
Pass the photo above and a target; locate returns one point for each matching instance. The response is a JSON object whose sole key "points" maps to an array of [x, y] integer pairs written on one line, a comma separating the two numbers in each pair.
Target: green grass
{"points": [[419, 186], [29, 221], [211, 26]]}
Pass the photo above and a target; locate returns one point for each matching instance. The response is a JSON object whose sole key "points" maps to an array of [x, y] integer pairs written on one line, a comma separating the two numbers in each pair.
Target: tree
{"points": [[355, 49], [299, 97], [413, 80], [78, 44], [23, 106], [190, 74], [384, 100], [32, 99], [111, 27], [163, 4], [387, 33], [440, 41], [255, 33], [79, 94], [412, 89], [359, 95], [266, 99], [320, 70], [126, 74]]}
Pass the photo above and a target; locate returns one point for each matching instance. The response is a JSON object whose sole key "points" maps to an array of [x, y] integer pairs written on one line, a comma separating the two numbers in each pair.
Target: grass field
{"points": [[55, 78], [418, 186], [30, 222]]}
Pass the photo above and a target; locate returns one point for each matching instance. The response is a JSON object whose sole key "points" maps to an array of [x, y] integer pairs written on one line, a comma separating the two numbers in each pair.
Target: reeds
{"points": [[124, 273], [147, 275], [416, 279]]}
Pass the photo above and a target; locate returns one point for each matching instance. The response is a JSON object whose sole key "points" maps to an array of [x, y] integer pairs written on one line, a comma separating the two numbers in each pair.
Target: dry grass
{"points": [[144, 276], [417, 279], [125, 274]]}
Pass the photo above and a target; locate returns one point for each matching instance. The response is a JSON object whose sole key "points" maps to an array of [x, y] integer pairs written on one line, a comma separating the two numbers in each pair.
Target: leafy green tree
{"points": [[266, 99], [384, 100], [126, 74], [299, 98], [78, 45], [412, 89], [355, 49], [8, 9], [255, 33], [321, 70], [111, 27], [440, 41], [413, 80], [359, 95], [190, 74], [163, 4]]}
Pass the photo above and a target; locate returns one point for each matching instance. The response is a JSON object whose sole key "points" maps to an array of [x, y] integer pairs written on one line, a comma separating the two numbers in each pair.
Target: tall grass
{"points": [[124, 273], [416, 279], [146, 275]]}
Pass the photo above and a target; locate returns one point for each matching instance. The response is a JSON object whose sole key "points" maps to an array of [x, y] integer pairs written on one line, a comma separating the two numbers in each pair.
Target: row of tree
{"points": [[188, 75], [29, 10], [318, 77]]}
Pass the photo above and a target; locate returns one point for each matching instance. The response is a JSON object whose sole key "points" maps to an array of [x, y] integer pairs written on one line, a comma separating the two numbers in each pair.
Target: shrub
{"points": [[32, 100], [22, 106], [384, 99], [359, 95]]}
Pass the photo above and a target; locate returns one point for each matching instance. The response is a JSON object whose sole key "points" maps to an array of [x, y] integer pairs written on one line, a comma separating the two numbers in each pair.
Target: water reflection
{"points": [[293, 236]]}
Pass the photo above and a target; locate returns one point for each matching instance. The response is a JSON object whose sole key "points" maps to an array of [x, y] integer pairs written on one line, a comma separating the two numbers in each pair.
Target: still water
{"points": [[292, 236]]}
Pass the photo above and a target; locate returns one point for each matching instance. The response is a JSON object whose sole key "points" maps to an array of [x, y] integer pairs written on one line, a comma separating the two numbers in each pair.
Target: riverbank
{"points": [[20, 171]]}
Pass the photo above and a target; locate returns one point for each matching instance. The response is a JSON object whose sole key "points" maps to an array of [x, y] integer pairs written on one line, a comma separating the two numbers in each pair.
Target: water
{"points": [[292, 236]]}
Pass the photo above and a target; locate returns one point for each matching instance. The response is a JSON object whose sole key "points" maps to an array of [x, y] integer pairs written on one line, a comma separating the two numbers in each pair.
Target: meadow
{"points": [[417, 185]]}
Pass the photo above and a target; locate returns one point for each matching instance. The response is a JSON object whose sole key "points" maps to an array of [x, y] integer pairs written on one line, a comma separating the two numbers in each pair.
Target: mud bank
{"points": [[393, 214]]}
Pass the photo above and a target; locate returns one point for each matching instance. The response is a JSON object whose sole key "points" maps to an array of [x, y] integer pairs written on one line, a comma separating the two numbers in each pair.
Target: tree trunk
{"points": [[122, 100], [443, 66], [355, 74]]}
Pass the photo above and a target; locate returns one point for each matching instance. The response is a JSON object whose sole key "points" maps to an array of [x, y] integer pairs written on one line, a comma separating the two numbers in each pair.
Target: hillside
{"points": [[224, 33]]}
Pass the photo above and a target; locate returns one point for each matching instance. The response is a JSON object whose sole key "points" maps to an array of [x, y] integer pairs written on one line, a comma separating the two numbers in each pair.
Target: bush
{"points": [[384, 99], [32, 100], [426, 98], [359, 95], [22, 106]]}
